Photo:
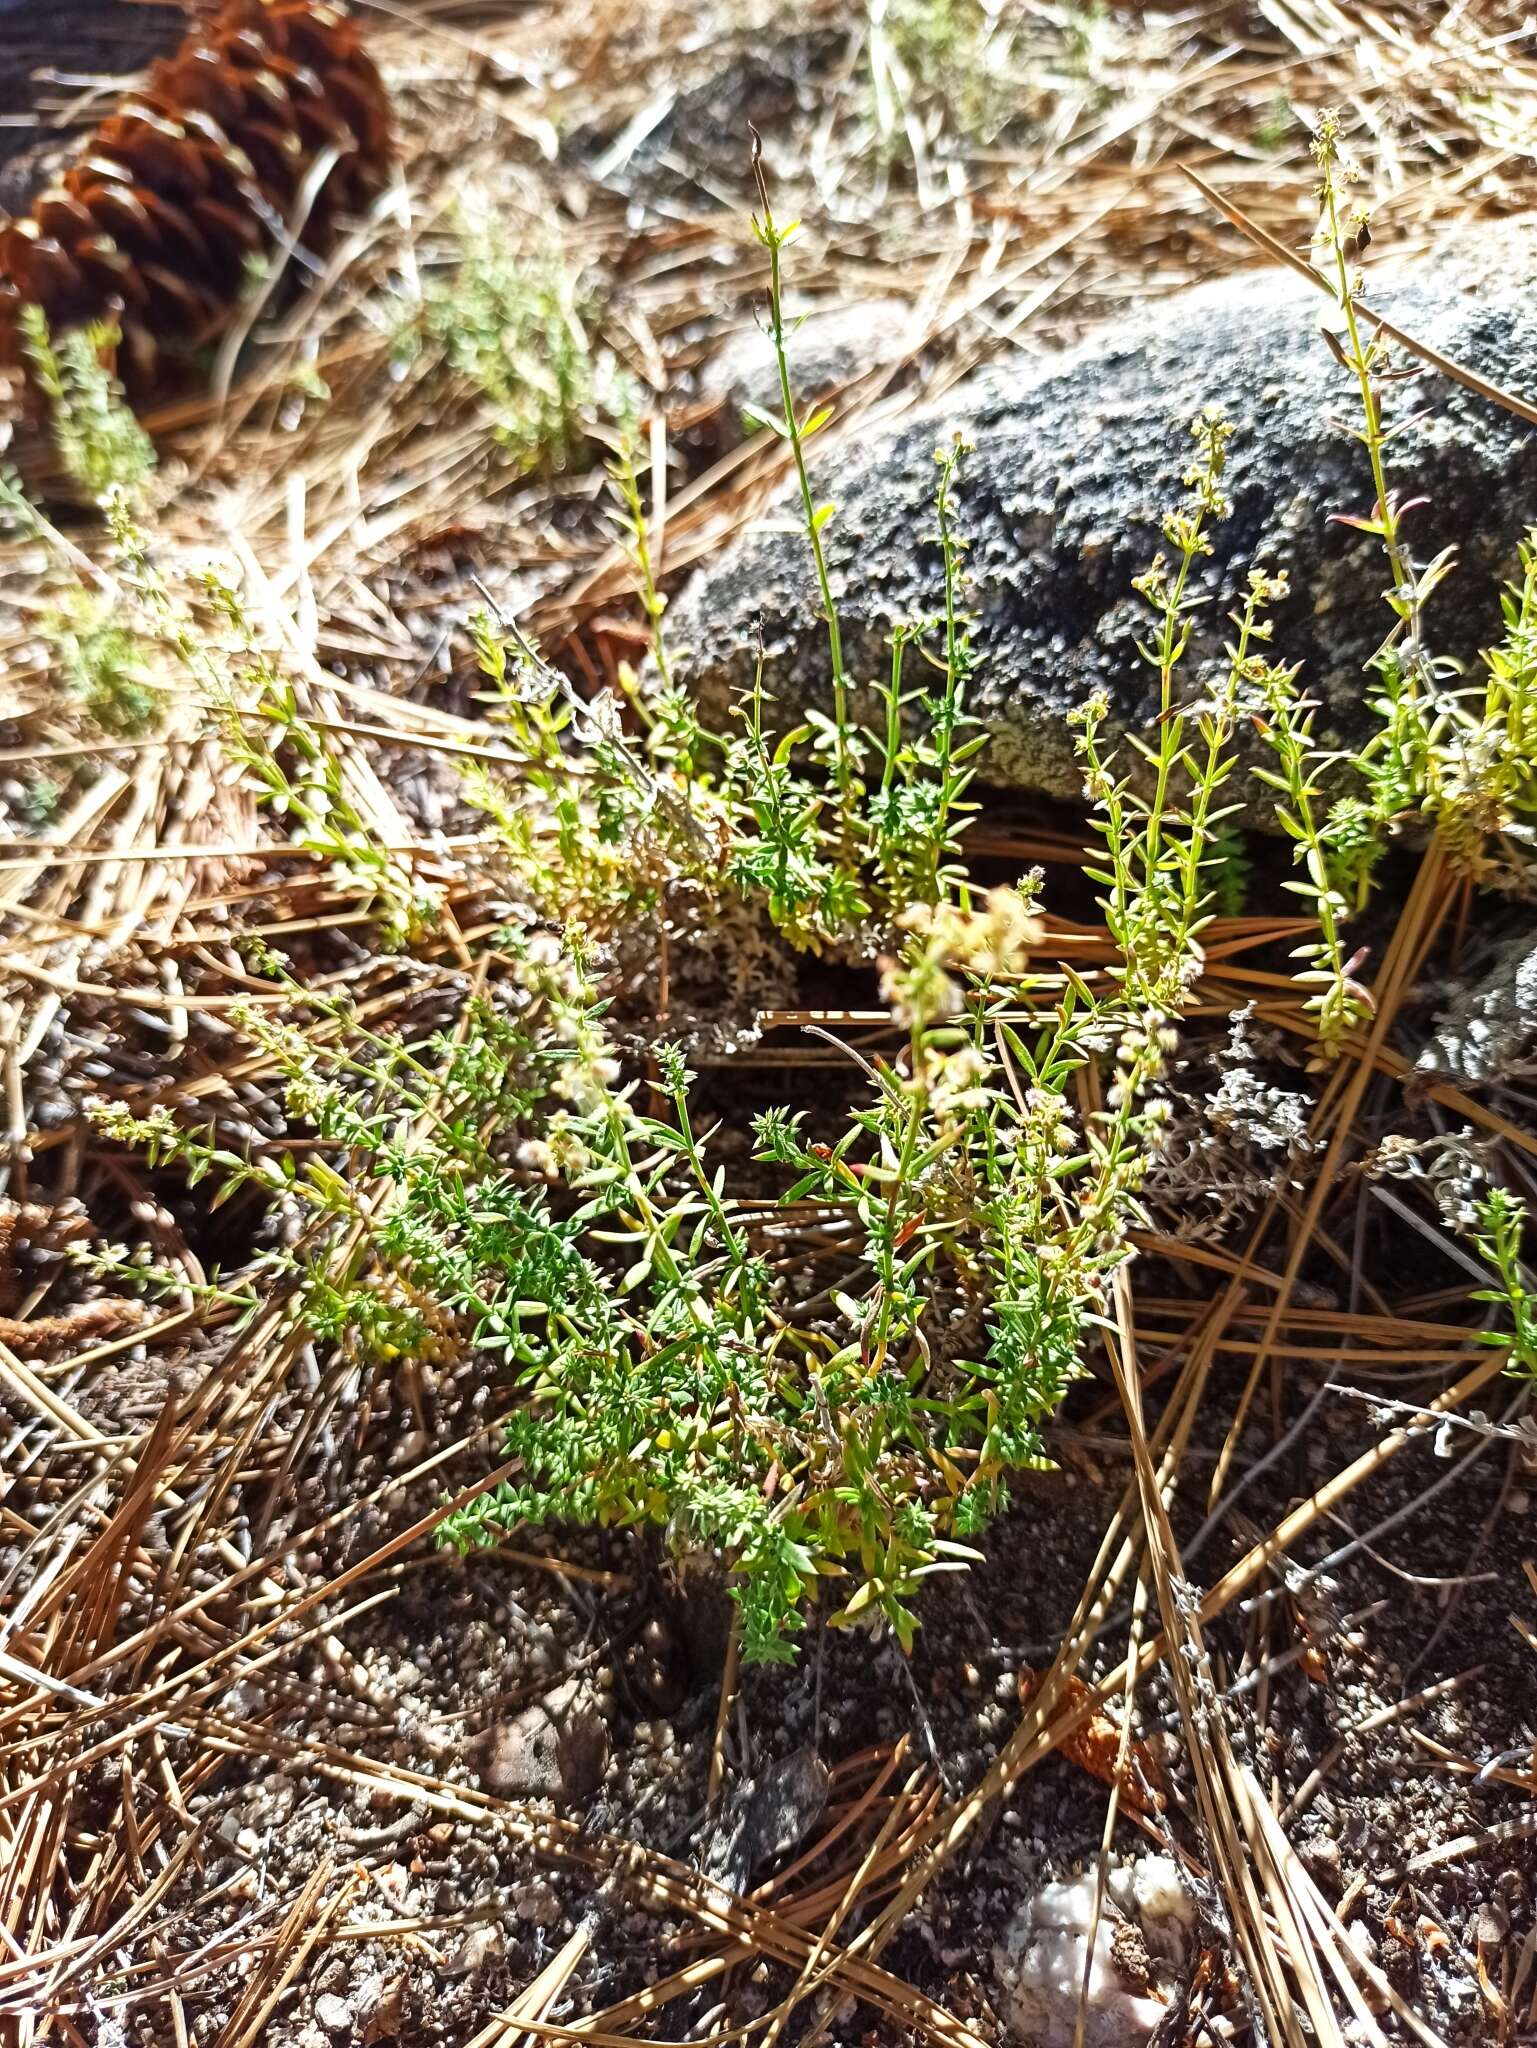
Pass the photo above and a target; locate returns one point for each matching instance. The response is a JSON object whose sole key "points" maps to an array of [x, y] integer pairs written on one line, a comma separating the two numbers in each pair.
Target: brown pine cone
{"points": [[198, 174]]}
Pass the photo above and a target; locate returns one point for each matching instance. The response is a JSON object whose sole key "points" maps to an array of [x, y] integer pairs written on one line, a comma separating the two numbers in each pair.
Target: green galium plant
{"points": [[1454, 756], [508, 320], [1498, 1228], [102, 650], [1166, 834], [539, 1186], [104, 451], [928, 746], [127, 642], [837, 737], [514, 1187], [859, 1447]]}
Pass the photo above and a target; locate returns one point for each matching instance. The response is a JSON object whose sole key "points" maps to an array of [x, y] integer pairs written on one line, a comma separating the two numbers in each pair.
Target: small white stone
{"points": [[333, 2013], [1160, 1891], [538, 1903], [1041, 1960]]}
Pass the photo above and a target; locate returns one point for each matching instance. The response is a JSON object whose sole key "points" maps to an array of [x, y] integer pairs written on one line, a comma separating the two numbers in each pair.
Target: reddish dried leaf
{"points": [[1094, 1746]]}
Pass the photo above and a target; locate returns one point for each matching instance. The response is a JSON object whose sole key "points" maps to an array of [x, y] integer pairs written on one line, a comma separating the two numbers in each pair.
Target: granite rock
{"points": [[1076, 460]]}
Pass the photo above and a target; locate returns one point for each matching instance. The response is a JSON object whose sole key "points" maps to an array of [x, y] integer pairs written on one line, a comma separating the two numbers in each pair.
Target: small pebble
{"points": [[334, 2013]]}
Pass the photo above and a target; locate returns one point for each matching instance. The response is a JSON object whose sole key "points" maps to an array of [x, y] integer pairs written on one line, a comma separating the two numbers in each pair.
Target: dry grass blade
{"points": [[1318, 1927], [1207, 1743], [533, 2003]]}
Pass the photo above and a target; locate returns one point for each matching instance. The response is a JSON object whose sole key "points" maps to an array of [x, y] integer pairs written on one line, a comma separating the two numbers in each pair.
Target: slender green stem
{"points": [[1359, 354], [774, 239]]}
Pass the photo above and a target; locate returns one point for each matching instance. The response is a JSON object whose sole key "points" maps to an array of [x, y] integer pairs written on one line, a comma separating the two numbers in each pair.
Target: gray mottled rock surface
{"points": [[1076, 461], [691, 144]]}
